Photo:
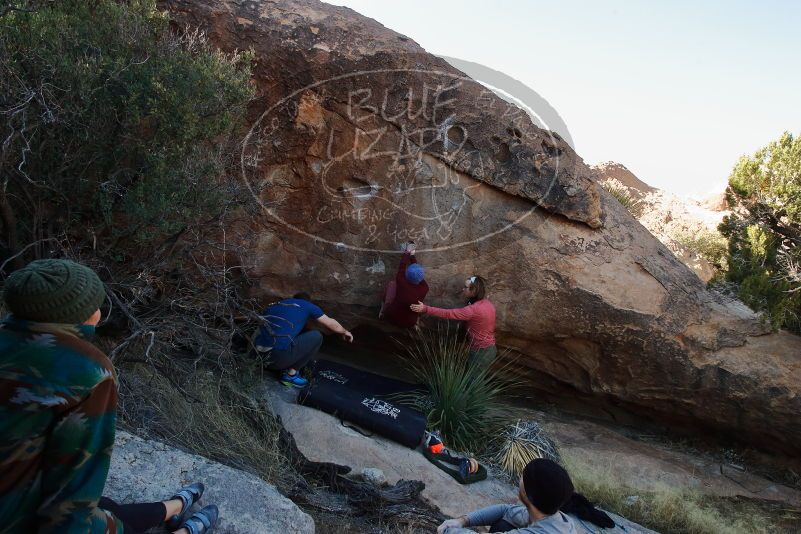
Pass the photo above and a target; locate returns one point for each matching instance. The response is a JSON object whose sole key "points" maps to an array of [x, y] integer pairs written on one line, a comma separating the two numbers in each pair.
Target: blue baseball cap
{"points": [[415, 273]]}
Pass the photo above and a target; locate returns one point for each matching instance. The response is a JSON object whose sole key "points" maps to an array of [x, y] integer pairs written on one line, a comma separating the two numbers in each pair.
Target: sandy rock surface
{"points": [[150, 471]]}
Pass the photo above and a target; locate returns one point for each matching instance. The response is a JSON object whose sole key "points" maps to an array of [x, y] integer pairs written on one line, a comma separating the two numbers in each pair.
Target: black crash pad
{"points": [[365, 399]]}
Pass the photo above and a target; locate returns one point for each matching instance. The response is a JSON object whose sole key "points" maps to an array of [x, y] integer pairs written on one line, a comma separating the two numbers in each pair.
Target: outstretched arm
{"points": [[333, 325], [480, 518], [460, 314], [406, 258]]}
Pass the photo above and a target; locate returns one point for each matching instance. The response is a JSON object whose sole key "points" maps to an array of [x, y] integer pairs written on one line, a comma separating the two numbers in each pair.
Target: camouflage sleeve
{"points": [[76, 463]]}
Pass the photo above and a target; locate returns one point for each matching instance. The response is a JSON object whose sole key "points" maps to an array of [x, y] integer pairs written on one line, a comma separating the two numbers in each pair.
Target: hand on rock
{"points": [[450, 523], [347, 336]]}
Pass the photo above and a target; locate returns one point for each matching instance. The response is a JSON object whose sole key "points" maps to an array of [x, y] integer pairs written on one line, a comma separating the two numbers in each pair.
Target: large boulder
{"points": [[150, 471], [361, 140]]}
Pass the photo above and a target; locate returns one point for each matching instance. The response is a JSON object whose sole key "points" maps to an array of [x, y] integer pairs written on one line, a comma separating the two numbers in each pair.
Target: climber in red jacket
{"points": [[407, 288]]}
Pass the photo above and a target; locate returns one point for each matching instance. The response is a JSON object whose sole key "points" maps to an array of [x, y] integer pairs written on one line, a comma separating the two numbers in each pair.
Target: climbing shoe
{"points": [[294, 381], [189, 495], [202, 521]]}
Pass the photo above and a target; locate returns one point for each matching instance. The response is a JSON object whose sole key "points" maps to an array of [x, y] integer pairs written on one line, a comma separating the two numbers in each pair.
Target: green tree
{"points": [[112, 125], [764, 232]]}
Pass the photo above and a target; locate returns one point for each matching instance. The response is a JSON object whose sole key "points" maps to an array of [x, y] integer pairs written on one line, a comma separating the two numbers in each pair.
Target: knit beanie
{"points": [[415, 273], [54, 291], [547, 484]]}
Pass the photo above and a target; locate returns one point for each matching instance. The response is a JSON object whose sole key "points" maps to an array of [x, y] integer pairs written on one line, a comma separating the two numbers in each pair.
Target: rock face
{"points": [[677, 222], [149, 471], [361, 140]]}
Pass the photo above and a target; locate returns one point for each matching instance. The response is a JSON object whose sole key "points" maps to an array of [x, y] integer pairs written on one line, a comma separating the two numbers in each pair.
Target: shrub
{"points": [[114, 127], [764, 232], [521, 443], [463, 401], [622, 195], [708, 244]]}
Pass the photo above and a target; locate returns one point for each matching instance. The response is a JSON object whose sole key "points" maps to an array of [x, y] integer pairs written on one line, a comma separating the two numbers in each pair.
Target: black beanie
{"points": [[547, 485]]}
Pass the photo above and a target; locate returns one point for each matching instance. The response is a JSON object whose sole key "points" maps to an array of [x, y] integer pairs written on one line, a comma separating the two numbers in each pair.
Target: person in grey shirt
{"points": [[544, 488]]}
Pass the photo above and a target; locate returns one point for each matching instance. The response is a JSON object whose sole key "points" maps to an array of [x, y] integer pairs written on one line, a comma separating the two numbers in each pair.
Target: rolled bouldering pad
{"points": [[450, 464]]}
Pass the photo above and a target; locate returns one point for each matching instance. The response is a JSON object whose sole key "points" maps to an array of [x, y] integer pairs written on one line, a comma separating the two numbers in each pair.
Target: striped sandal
{"points": [[189, 495], [202, 521]]}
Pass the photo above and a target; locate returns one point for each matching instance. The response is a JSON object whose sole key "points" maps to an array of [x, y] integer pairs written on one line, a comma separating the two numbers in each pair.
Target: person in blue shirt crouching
{"points": [[285, 344]]}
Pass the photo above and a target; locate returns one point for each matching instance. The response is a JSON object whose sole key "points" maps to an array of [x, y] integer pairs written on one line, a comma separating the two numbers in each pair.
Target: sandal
{"points": [[202, 521], [189, 495]]}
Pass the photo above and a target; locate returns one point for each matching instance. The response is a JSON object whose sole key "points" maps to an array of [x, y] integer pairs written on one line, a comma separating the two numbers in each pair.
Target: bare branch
{"points": [[25, 249]]}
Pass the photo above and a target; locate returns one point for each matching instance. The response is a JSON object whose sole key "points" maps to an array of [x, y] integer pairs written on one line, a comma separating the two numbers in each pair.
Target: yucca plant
{"points": [[462, 401], [521, 443], [622, 195]]}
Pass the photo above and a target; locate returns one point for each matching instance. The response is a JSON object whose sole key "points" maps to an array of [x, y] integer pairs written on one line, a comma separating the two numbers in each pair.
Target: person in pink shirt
{"points": [[479, 315]]}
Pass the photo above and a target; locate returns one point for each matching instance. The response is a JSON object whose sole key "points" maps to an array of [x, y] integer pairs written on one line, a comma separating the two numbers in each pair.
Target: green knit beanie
{"points": [[54, 291]]}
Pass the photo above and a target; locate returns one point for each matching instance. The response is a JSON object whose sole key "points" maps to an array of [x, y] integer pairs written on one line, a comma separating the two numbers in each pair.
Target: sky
{"points": [[676, 91]]}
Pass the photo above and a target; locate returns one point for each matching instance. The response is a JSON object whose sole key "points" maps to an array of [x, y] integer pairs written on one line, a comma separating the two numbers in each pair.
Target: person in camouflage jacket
{"points": [[58, 398], [58, 409]]}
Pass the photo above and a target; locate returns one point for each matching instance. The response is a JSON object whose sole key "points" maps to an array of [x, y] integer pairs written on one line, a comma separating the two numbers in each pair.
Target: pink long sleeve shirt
{"points": [[480, 317]]}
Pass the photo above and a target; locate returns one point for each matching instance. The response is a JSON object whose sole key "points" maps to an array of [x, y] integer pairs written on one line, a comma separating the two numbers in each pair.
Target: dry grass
{"points": [[223, 422], [621, 194], [666, 509]]}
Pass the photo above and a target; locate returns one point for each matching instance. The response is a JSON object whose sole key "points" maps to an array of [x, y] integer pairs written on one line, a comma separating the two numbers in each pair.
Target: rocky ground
{"points": [[644, 459], [144, 470], [323, 438], [648, 464], [150, 471]]}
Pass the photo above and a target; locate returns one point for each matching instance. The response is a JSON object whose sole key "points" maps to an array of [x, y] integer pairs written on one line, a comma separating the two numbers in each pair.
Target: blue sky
{"points": [[675, 91]]}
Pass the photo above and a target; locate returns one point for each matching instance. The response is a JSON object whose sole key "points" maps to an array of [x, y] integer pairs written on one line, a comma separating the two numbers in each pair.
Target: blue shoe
{"points": [[294, 381], [189, 495], [202, 521]]}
